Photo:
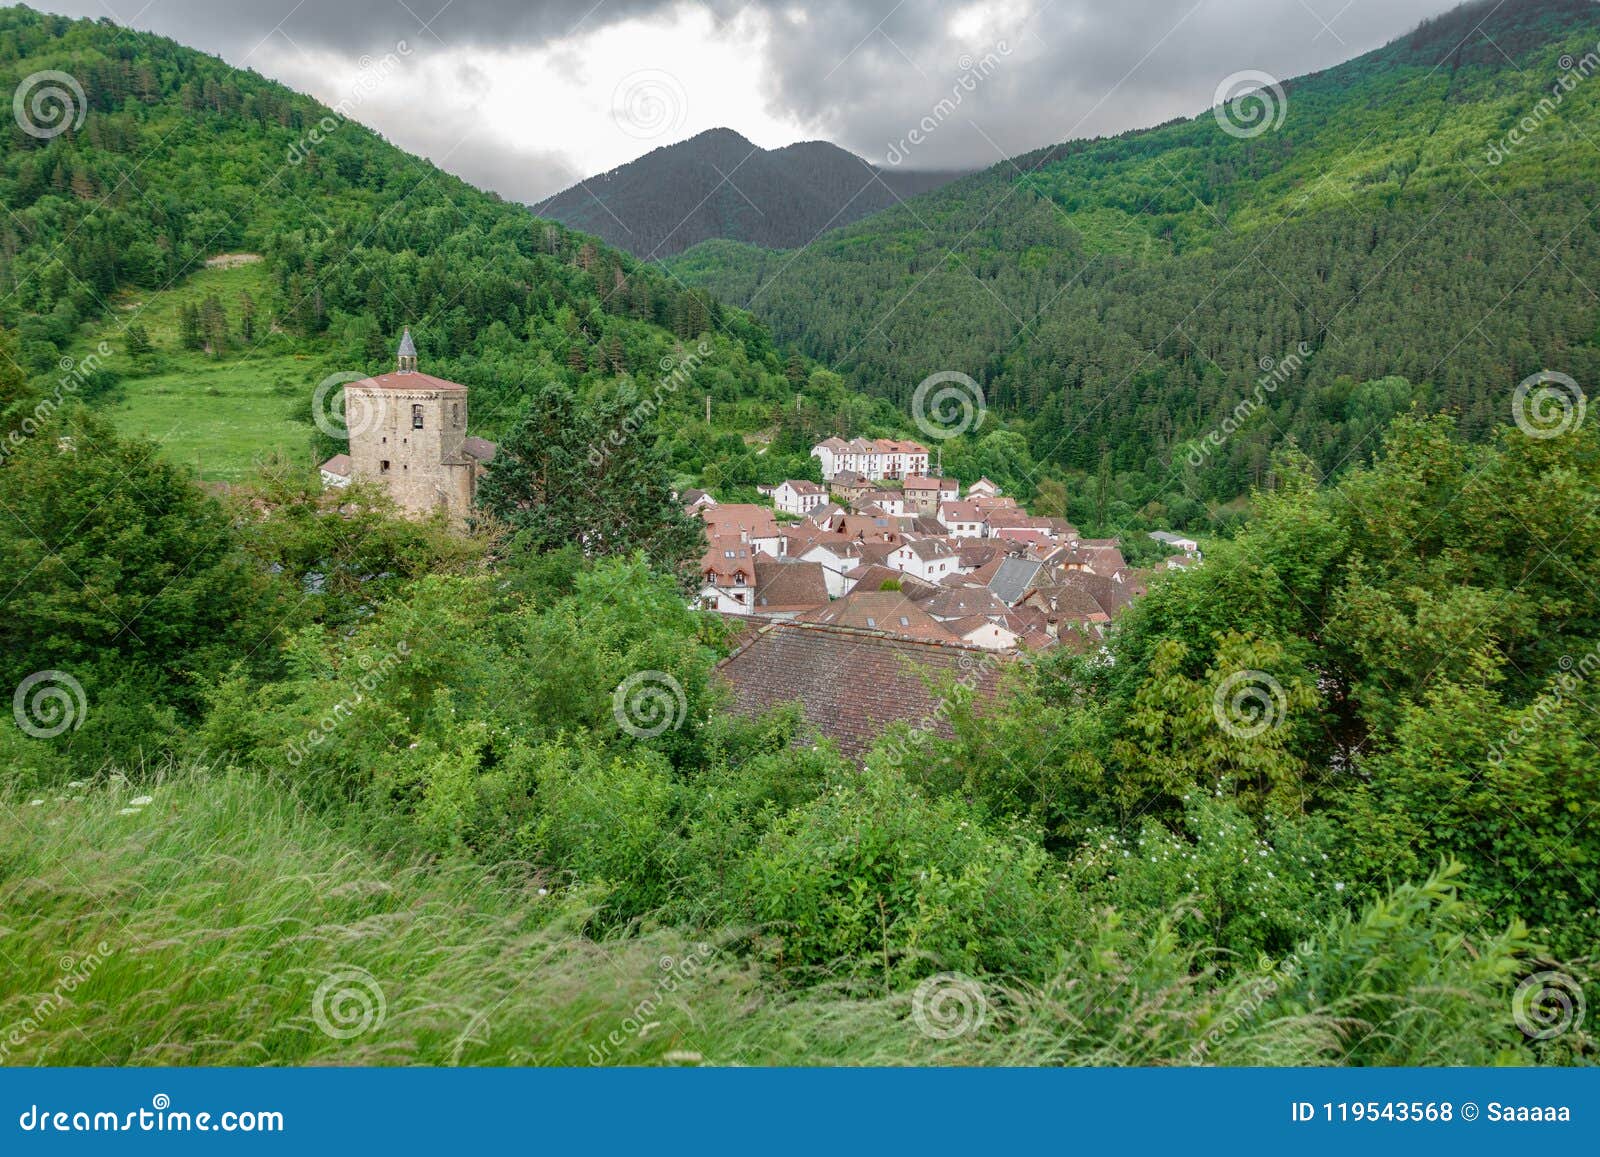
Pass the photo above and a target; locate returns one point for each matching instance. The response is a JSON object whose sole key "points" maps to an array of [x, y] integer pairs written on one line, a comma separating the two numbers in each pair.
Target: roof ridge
{"points": [[867, 632]]}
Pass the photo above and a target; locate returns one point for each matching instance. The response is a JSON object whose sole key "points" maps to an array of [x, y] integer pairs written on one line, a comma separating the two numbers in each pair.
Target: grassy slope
{"points": [[219, 413], [201, 927], [223, 908]]}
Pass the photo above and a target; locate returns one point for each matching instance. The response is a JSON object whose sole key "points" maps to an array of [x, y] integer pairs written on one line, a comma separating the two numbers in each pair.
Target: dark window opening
{"points": [[383, 467], [416, 417]]}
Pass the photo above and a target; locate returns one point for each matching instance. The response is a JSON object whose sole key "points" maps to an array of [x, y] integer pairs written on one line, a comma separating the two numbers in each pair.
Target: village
{"points": [[849, 594], [882, 546]]}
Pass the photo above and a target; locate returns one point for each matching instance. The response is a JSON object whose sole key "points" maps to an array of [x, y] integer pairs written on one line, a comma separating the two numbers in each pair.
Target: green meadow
{"points": [[218, 412]]}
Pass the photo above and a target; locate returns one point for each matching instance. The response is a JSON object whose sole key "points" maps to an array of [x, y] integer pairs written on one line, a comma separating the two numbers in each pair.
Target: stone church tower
{"points": [[408, 433]]}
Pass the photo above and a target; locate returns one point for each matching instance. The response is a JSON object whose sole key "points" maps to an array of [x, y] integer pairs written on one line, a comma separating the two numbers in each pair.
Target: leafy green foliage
{"points": [[574, 474]]}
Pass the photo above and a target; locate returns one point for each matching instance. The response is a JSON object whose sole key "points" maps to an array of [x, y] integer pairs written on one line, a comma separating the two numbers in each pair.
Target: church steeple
{"points": [[406, 356]]}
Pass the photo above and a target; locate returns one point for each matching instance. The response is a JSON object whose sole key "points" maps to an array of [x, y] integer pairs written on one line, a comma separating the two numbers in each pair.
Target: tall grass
{"points": [[221, 924]]}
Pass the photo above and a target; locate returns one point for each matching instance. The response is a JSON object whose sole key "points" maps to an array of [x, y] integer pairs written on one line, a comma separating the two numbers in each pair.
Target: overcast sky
{"points": [[525, 98]]}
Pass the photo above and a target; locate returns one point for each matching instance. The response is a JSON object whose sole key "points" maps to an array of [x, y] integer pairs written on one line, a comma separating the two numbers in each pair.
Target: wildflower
{"points": [[75, 783], [1339, 887], [141, 800], [35, 802], [129, 811]]}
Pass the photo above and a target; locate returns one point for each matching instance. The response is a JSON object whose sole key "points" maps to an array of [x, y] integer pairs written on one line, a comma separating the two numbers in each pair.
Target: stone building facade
{"points": [[408, 433]]}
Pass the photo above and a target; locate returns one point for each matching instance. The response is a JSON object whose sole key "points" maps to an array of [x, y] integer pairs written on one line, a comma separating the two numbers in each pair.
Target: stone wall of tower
{"points": [[422, 468]]}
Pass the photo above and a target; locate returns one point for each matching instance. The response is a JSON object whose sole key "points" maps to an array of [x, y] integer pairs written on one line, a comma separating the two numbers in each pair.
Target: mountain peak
{"points": [[718, 184]]}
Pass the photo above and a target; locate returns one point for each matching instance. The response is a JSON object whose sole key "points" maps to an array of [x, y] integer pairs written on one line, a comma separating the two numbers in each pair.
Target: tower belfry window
{"points": [[416, 417]]}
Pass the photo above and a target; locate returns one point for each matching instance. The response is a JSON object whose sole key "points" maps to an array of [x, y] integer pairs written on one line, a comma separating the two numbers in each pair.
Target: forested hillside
{"points": [[1369, 238], [178, 158], [719, 185]]}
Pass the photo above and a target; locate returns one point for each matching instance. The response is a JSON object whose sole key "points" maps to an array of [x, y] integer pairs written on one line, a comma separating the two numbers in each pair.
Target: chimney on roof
{"points": [[406, 356]]}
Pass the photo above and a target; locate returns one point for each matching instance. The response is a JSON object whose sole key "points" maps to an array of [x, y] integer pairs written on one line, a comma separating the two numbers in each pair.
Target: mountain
{"points": [[1416, 225], [719, 185]]}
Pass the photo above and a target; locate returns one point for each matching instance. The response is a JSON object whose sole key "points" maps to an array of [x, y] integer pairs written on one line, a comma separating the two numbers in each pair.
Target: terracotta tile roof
{"points": [[801, 486], [894, 612], [961, 602], [414, 380], [929, 548], [851, 684], [480, 448], [717, 564], [734, 517], [872, 576], [339, 464], [788, 585], [880, 528]]}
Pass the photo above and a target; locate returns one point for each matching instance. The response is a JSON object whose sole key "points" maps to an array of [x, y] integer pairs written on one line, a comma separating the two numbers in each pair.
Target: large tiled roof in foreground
{"points": [[852, 684]]}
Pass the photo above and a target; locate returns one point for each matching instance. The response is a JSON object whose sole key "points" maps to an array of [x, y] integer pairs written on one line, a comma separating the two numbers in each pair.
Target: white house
{"points": [[1176, 541], [929, 559], [983, 488], [336, 471], [728, 574], [878, 458], [982, 632], [797, 496], [962, 519], [837, 559]]}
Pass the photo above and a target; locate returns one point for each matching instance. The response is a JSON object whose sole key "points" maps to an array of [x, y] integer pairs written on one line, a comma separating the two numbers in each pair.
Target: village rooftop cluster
{"points": [[882, 547]]}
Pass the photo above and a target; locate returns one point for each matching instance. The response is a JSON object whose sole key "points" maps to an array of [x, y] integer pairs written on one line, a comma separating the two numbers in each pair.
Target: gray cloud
{"points": [[866, 71]]}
